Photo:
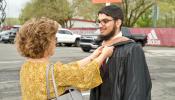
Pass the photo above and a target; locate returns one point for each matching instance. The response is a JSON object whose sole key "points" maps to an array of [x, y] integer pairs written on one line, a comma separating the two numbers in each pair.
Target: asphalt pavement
{"points": [[161, 62]]}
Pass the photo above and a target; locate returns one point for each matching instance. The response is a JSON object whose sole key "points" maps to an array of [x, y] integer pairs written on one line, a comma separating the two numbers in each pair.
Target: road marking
{"points": [[7, 62], [10, 92], [159, 53], [6, 82]]}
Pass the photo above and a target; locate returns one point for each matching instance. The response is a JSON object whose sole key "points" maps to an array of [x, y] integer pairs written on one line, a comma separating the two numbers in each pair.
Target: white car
{"points": [[4, 36], [65, 36]]}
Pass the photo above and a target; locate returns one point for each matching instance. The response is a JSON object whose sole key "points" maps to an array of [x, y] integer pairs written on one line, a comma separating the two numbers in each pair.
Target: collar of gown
{"points": [[117, 38]]}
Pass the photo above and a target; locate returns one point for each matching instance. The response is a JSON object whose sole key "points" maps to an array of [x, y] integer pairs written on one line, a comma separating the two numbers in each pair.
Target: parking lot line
{"points": [[6, 82], [7, 62]]}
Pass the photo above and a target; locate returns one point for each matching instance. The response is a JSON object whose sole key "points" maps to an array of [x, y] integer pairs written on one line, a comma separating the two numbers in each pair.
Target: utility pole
{"points": [[155, 13], [166, 20]]}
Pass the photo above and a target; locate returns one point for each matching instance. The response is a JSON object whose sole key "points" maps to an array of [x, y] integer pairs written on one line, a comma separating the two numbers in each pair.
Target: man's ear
{"points": [[118, 23]]}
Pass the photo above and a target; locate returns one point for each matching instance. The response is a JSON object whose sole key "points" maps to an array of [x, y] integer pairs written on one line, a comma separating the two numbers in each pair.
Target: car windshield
{"points": [[14, 30]]}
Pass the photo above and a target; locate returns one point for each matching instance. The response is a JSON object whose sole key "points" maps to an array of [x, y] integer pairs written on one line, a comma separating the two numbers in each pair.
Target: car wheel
{"points": [[5, 42], [69, 45], [77, 42], [12, 42], [86, 49]]}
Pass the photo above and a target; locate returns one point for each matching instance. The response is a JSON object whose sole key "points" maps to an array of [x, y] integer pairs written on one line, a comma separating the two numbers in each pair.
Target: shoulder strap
{"points": [[50, 67]]}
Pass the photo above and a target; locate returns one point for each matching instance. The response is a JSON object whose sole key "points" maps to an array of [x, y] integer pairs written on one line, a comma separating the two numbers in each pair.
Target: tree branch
{"points": [[141, 13]]}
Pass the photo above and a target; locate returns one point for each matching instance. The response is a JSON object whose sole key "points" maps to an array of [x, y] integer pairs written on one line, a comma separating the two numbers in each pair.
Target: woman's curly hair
{"points": [[35, 36]]}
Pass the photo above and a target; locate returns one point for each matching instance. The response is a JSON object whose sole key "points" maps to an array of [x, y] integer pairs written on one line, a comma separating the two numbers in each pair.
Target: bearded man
{"points": [[125, 74]]}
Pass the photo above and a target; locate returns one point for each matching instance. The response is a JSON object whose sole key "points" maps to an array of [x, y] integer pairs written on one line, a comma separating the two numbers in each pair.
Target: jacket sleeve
{"points": [[72, 74], [137, 81]]}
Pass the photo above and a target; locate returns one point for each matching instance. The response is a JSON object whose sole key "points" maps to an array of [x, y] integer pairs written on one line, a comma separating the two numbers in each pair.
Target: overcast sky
{"points": [[14, 7]]}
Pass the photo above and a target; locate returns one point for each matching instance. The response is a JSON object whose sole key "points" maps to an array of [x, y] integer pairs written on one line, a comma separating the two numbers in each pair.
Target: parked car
{"points": [[68, 38], [0, 38], [140, 38], [5, 36], [89, 42], [8, 36], [13, 34]]}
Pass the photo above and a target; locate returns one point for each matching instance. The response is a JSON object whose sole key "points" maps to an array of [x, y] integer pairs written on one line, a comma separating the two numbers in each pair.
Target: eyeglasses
{"points": [[103, 22]]}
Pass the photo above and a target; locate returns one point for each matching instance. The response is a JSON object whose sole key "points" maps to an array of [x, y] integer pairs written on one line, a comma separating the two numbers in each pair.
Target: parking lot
{"points": [[161, 62]]}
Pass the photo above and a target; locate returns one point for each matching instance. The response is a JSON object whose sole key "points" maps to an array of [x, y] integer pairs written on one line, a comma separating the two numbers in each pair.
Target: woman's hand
{"points": [[100, 54], [107, 51], [97, 52], [90, 58]]}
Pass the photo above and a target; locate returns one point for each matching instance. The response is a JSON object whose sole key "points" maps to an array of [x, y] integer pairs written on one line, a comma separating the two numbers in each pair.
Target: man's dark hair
{"points": [[114, 11]]}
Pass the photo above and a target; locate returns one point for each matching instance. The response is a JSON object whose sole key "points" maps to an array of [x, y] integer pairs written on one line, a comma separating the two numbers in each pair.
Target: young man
{"points": [[125, 74]]}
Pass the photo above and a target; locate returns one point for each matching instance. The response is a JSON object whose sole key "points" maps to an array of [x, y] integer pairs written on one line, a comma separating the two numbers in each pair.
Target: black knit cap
{"points": [[114, 11]]}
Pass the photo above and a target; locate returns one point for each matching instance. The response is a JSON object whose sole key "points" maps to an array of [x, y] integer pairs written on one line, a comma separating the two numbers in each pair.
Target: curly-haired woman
{"points": [[36, 41]]}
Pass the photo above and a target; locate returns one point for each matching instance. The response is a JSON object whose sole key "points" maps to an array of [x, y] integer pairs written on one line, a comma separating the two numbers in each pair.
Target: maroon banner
{"points": [[157, 36], [83, 31]]}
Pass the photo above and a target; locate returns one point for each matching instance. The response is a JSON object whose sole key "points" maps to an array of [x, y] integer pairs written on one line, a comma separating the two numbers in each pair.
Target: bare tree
{"points": [[59, 10], [3, 5], [134, 9]]}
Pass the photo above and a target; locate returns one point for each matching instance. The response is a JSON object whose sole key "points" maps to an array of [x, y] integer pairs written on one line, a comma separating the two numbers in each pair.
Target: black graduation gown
{"points": [[125, 76]]}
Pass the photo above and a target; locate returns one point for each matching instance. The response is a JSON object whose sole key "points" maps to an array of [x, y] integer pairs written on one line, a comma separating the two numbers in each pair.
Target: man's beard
{"points": [[109, 36]]}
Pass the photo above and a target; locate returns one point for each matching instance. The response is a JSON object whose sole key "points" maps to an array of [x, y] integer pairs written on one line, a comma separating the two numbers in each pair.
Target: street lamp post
{"points": [[155, 13]]}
